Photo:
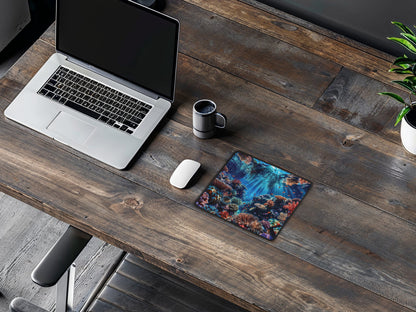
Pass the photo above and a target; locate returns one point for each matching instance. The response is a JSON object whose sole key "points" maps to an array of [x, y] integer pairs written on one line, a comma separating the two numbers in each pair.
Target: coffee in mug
{"points": [[206, 119]]}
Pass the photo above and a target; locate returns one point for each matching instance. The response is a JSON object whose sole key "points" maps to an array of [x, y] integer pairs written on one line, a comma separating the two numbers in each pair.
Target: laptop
{"points": [[110, 82]]}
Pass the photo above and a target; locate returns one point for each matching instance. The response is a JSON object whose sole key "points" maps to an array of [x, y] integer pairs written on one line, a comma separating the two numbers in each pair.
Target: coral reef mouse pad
{"points": [[254, 195]]}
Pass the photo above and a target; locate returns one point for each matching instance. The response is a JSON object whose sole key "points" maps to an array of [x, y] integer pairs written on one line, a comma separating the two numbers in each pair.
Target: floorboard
{"points": [[139, 286], [26, 234]]}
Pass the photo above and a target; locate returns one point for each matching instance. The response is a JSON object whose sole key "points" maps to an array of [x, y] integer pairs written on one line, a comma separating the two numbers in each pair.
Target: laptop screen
{"points": [[122, 38]]}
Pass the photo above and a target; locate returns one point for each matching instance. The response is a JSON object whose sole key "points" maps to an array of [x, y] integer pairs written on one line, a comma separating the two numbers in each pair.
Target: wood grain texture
{"points": [[287, 69], [347, 100], [141, 219], [318, 29], [26, 234], [342, 250], [326, 150], [348, 245], [245, 52], [299, 36], [145, 218], [138, 286]]}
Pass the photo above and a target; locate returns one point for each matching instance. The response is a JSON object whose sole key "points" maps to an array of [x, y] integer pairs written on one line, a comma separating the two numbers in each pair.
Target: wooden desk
{"points": [[295, 96]]}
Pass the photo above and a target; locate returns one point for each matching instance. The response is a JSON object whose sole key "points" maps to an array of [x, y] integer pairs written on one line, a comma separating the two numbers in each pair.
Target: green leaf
{"points": [[401, 71], [403, 113], [409, 86], [394, 96], [411, 79], [404, 60], [410, 37], [405, 43], [403, 27]]}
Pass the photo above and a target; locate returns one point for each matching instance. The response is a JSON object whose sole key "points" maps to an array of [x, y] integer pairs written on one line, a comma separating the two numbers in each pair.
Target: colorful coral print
{"points": [[254, 195]]}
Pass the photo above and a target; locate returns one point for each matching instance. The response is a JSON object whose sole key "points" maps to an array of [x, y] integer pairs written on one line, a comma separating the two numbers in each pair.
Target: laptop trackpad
{"points": [[70, 129]]}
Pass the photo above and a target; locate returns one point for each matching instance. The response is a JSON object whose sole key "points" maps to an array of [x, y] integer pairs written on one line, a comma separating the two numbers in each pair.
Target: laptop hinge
{"points": [[111, 77]]}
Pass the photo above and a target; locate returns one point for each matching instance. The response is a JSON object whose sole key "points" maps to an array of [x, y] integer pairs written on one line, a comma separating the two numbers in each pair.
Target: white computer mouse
{"points": [[184, 173]]}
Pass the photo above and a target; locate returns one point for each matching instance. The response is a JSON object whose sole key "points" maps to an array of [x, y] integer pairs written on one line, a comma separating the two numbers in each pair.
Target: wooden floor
{"points": [[26, 234], [137, 286]]}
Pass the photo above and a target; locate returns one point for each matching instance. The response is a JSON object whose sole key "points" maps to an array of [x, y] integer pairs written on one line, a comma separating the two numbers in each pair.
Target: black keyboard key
{"points": [[95, 100], [82, 109], [103, 118], [144, 110], [50, 88], [130, 124], [136, 120]]}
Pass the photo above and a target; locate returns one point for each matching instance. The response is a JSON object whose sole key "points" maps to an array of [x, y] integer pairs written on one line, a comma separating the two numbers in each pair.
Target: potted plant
{"points": [[405, 65]]}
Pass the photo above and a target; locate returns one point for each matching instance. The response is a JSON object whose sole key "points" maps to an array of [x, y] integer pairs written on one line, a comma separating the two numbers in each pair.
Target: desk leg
{"points": [[65, 291]]}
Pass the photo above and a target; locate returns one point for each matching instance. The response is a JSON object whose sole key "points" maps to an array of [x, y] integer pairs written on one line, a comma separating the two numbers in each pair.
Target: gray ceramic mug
{"points": [[205, 119]]}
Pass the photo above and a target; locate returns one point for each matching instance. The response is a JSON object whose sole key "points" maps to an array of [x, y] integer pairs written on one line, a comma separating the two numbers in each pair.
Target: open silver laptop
{"points": [[110, 82]]}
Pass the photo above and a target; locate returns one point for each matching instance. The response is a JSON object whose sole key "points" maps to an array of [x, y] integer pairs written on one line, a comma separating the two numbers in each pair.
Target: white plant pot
{"points": [[408, 131]]}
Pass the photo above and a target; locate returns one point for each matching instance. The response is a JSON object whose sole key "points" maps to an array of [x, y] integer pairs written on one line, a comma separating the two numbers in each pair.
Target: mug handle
{"points": [[220, 120]]}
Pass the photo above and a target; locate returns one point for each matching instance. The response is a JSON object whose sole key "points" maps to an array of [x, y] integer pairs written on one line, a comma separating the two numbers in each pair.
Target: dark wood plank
{"points": [[356, 59], [49, 35], [245, 52], [317, 29], [95, 261], [362, 245], [101, 306], [30, 62], [353, 98], [151, 298], [124, 302], [170, 288]]}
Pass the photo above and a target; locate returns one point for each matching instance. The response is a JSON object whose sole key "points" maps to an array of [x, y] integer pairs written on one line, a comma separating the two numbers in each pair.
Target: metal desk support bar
{"points": [[65, 291]]}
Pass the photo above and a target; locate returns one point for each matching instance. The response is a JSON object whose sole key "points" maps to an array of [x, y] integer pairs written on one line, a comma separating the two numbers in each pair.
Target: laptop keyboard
{"points": [[95, 99]]}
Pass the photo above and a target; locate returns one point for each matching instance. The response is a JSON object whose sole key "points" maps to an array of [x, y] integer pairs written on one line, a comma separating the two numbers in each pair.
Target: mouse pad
{"points": [[254, 195]]}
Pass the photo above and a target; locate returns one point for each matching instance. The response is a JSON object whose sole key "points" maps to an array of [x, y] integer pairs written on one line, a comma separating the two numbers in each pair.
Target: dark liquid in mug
{"points": [[204, 107]]}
